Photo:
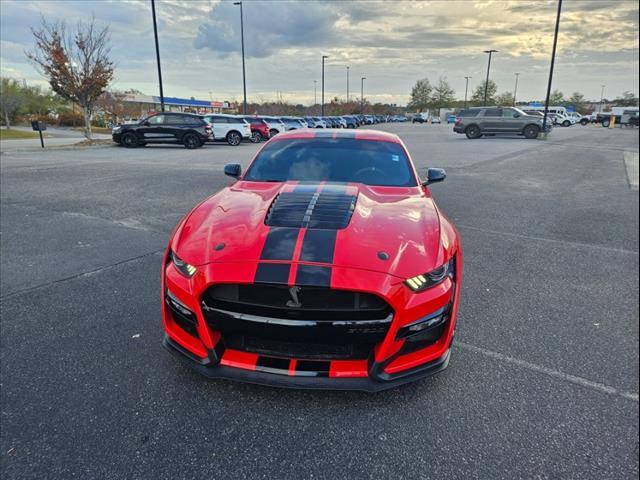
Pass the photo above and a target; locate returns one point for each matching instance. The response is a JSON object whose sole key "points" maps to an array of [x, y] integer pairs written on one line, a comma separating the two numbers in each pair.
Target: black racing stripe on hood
{"points": [[273, 273], [313, 276], [280, 243], [318, 246]]}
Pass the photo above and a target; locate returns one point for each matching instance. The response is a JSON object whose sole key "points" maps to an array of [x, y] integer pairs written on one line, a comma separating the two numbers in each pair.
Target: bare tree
{"points": [[443, 94], [11, 99], [76, 64]]}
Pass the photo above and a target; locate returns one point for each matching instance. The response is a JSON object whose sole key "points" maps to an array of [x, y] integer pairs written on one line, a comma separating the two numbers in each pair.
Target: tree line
{"points": [[425, 96]]}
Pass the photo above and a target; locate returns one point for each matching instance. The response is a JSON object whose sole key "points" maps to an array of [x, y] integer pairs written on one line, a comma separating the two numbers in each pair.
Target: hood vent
{"points": [[331, 211]]}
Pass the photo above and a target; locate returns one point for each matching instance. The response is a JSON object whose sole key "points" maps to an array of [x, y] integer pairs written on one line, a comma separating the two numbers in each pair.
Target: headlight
{"points": [[432, 278], [183, 267], [116, 128]]}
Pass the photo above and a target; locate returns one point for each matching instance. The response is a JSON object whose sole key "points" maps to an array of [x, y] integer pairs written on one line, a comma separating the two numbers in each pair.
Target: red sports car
{"points": [[326, 264]]}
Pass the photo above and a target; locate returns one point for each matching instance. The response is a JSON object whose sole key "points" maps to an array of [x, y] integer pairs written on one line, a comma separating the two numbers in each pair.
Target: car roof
{"points": [[371, 135]]}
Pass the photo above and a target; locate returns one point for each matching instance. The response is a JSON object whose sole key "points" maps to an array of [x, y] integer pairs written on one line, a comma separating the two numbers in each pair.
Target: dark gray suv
{"points": [[478, 121]]}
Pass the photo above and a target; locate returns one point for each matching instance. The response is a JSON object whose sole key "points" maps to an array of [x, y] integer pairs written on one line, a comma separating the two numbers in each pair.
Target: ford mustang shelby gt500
{"points": [[325, 265]]}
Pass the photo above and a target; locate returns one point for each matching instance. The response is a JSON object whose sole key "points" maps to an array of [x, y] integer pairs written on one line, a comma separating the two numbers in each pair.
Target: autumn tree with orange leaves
{"points": [[76, 63]]}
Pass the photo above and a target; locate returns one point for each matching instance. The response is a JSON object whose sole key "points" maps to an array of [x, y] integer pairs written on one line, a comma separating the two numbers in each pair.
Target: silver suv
{"points": [[478, 121]]}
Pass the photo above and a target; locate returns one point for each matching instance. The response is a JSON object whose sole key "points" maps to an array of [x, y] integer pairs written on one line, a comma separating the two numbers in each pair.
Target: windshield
{"points": [[333, 160]]}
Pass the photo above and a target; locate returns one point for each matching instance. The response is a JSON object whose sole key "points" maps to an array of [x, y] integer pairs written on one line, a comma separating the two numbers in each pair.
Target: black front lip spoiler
{"points": [[378, 380]]}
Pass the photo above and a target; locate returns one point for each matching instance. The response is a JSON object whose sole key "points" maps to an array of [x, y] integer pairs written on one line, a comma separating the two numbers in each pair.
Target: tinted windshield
{"points": [[333, 160]]}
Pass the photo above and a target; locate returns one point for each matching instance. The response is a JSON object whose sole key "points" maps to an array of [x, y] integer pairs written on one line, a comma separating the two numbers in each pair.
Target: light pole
{"points": [[553, 59], [347, 83], [155, 36], [362, 94], [486, 83], [244, 77], [466, 88], [601, 96], [322, 106], [515, 90], [315, 94]]}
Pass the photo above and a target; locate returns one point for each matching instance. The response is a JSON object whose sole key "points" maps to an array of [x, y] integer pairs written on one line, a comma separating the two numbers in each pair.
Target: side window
{"points": [[492, 112], [175, 119], [508, 113], [156, 120]]}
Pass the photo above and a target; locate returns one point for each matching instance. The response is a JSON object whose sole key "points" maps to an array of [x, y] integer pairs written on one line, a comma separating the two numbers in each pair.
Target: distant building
{"points": [[150, 104]]}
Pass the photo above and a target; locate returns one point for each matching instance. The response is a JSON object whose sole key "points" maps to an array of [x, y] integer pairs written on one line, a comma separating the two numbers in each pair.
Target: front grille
{"points": [[315, 302], [325, 324], [311, 210]]}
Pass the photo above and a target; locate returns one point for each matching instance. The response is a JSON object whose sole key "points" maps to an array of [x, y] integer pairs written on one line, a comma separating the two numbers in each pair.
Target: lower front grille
{"points": [[323, 323]]}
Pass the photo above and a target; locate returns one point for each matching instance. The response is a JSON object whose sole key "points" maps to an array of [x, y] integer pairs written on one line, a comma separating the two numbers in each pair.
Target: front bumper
{"points": [[210, 348], [376, 381]]}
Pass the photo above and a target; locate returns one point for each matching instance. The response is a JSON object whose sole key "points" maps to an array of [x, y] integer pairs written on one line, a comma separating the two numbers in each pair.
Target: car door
{"points": [[175, 126], [219, 127], [153, 129], [492, 120], [511, 121]]}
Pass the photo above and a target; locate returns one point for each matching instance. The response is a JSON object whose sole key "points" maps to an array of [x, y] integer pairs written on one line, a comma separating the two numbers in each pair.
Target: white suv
{"points": [[229, 127]]}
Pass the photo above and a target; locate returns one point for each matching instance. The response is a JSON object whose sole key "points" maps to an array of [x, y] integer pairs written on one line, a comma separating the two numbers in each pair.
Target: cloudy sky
{"points": [[392, 43]]}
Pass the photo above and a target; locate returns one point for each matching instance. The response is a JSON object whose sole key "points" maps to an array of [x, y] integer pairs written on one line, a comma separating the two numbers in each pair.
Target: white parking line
{"points": [[631, 167], [543, 239], [601, 387]]}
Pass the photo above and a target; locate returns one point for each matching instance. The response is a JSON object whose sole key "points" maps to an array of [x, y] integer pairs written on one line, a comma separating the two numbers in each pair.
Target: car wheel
{"points": [[473, 131], [531, 131], [191, 141], [273, 132], [129, 140], [566, 123], [584, 121], [256, 137], [234, 139], [606, 123]]}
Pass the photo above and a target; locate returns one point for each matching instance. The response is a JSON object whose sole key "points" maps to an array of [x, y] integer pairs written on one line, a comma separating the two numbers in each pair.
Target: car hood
{"points": [[394, 230]]}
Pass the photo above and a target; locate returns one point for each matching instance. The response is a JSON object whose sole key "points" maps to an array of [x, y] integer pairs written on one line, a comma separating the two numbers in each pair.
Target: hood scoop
{"points": [[330, 211]]}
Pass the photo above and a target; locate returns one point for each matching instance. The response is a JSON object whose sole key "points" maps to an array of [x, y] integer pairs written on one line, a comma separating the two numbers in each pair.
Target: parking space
{"points": [[543, 381]]}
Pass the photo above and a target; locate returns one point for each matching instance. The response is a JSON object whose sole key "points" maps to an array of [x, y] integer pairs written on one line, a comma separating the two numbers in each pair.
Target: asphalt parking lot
{"points": [[543, 381]]}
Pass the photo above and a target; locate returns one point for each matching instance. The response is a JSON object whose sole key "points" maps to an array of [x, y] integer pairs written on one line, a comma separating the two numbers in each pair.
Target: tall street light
{"points": [[347, 83], [362, 94], [322, 106], [553, 60], [315, 93], [515, 90], [155, 36], [244, 77], [601, 96], [486, 83], [466, 88]]}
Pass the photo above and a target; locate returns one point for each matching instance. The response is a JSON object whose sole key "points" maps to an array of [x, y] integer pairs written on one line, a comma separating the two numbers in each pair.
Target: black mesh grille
{"points": [[316, 302], [311, 210]]}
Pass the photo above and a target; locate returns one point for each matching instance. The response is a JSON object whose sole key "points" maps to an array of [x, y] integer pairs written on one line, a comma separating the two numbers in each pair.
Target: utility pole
{"points": [[601, 96], [362, 95], [322, 107], [515, 90], [244, 77], [486, 83], [155, 36], [466, 88], [347, 83], [553, 59]]}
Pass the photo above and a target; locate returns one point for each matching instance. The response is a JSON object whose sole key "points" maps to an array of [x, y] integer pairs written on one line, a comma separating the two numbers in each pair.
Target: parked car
{"points": [[621, 116], [229, 127], [351, 121], [451, 119], [369, 120], [275, 125], [478, 121], [259, 129], [435, 119], [421, 117], [291, 123], [181, 128]]}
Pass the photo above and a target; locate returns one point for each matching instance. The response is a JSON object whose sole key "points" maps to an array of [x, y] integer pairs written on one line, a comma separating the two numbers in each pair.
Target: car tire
{"points": [[234, 139], [473, 132], [531, 132], [566, 123], [191, 141], [273, 132], [606, 123], [256, 137], [129, 140], [584, 121]]}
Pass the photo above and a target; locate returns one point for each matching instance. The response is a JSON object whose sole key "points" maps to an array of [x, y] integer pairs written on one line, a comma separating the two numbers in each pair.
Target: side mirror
{"points": [[233, 170], [146, 124], [435, 175], [516, 115]]}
